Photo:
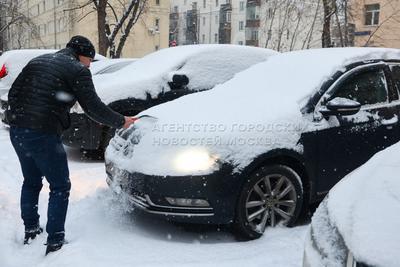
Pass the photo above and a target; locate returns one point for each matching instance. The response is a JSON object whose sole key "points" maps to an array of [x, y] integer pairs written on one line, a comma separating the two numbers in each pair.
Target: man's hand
{"points": [[129, 121]]}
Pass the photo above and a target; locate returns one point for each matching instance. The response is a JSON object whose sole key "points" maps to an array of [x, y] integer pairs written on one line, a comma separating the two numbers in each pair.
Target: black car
{"points": [[315, 116], [157, 78]]}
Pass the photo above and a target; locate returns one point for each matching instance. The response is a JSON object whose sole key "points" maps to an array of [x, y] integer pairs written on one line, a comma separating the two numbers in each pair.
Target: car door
{"points": [[346, 142]]}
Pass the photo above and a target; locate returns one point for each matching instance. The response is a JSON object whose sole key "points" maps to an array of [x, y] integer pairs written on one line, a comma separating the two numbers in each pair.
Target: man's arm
{"points": [[87, 97]]}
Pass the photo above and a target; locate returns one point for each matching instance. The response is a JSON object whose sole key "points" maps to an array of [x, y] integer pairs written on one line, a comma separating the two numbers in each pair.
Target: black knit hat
{"points": [[82, 46]]}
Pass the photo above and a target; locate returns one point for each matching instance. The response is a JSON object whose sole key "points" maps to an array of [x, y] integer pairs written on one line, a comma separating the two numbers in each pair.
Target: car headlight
{"points": [[194, 160]]}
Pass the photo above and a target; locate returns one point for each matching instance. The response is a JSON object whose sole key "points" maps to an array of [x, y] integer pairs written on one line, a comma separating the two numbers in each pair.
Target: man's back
{"points": [[42, 95]]}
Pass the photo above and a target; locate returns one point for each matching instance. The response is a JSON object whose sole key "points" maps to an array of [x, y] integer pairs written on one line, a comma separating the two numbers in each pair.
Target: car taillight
{"points": [[3, 71]]}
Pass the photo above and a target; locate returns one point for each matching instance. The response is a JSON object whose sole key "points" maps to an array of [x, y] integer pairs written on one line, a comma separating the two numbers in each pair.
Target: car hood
{"points": [[365, 208], [255, 112]]}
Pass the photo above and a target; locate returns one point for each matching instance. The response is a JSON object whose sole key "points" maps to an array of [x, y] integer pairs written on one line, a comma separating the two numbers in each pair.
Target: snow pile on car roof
{"points": [[256, 111], [364, 206], [204, 65]]}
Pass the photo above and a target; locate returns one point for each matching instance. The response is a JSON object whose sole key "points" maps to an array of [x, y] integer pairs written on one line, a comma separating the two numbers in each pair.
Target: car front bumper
{"points": [[146, 192]]}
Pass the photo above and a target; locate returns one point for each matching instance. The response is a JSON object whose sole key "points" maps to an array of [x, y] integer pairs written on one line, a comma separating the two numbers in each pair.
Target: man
{"points": [[39, 103]]}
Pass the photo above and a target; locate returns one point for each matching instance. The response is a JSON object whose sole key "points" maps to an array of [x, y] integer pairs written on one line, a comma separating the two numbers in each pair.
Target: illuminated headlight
{"points": [[194, 160], [187, 202]]}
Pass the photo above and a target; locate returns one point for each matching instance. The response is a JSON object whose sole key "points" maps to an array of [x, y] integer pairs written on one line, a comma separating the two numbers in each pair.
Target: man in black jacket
{"points": [[39, 103]]}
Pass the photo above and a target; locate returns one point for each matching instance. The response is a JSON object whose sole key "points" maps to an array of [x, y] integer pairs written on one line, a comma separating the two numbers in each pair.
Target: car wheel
{"points": [[271, 195]]}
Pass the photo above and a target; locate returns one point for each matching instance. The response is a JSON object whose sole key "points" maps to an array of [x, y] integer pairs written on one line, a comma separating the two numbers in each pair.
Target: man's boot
{"points": [[55, 246], [31, 234]]}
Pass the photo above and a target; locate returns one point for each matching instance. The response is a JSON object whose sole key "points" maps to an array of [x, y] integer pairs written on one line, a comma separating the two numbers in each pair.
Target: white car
{"points": [[357, 225], [256, 150]]}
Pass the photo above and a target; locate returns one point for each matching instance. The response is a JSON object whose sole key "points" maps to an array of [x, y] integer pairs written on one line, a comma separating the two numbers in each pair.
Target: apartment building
{"points": [[376, 23], [56, 21], [282, 25], [207, 22]]}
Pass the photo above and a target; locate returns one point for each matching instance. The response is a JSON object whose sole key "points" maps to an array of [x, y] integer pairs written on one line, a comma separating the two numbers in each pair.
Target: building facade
{"points": [[283, 25], [56, 21], [376, 23]]}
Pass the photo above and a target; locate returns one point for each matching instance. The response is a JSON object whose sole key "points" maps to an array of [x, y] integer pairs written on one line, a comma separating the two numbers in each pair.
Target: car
{"points": [[357, 223], [259, 149], [157, 78], [11, 64]]}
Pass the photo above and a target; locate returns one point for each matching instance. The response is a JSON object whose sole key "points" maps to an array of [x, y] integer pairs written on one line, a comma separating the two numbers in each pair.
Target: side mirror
{"points": [[340, 106], [178, 81]]}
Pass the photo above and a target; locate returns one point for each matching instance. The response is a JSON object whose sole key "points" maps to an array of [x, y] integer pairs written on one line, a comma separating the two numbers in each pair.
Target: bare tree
{"points": [[329, 10], [115, 21], [12, 16]]}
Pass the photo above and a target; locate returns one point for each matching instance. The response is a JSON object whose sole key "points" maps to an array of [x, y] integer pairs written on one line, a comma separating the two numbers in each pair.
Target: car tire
{"points": [[270, 196]]}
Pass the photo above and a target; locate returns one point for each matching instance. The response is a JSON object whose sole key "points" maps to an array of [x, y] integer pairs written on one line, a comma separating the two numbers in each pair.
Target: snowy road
{"points": [[101, 234]]}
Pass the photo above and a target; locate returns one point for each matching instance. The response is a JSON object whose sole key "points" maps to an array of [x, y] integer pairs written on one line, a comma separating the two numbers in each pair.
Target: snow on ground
{"points": [[100, 233]]}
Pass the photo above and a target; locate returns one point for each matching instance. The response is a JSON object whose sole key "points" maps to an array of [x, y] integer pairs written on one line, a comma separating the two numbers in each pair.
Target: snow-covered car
{"points": [[157, 78], [11, 64], [257, 149], [358, 222], [110, 65]]}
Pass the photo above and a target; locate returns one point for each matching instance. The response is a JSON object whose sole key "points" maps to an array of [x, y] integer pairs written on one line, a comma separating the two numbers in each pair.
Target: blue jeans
{"points": [[42, 154]]}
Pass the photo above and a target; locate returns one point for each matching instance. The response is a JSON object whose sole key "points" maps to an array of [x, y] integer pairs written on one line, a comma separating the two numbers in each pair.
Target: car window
{"points": [[368, 87], [114, 67]]}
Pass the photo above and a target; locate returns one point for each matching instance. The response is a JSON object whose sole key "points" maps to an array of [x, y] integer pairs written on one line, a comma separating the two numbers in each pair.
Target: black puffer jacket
{"points": [[46, 89]]}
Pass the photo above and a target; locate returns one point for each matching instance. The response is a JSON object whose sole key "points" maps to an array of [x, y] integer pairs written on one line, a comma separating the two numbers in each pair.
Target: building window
{"points": [[204, 21], [216, 19], [204, 3], [241, 6], [241, 25], [43, 6], [157, 2], [203, 38], [157, 24], [254, 35], [228, 16], [216, 38], [216, 2], [240, 43], [176, 9], [194, 6], [252, 13], [270, 13], [372, 14]]}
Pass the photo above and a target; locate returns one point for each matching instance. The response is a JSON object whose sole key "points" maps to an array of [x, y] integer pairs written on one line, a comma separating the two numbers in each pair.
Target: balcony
{"points": [[253, 23], [252, 42], [174, 16], [253, 3]]}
